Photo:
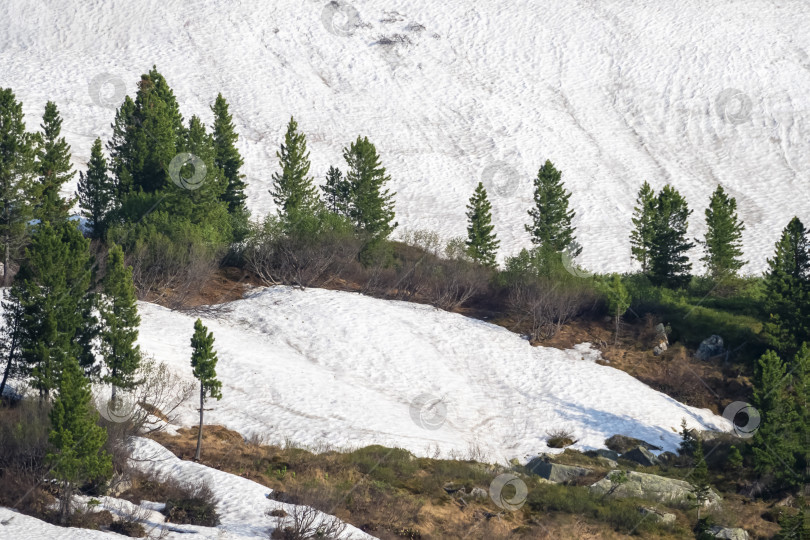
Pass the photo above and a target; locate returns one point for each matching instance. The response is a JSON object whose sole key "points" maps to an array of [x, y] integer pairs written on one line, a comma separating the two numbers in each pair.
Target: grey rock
{"points": [[709, 347], [478, 493], [554, 472], [641, 455], [660, 348], [650, 487], [728, 533], [656, 515], [667, 458], [623, 443]]}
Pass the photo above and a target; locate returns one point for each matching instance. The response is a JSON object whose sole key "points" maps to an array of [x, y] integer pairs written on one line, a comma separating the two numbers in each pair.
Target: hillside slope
{"points": [[614, 93]]}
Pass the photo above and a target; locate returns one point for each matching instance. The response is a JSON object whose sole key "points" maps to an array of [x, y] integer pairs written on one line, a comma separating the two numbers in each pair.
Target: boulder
{"points": [[660, 348], [661, 333], [554, 472], [656, 515], [667, 458], [709, 347], [642, 456], [650, 487], [478, 493], [728, 533], [622, 444]]}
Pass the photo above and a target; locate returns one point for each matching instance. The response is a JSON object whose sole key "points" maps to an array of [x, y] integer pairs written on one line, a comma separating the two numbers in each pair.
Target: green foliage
{"points": [[699, 478], [17, 169], [787, 290], [482, 243], [551, 218], [794, 527], [227, 157], [119, 322], [372, 206], [669, 264], [293, 191], [53, 168], [96, 191], [722, 244], [337, 192], [618, 299], [642, 234], [734, 460], [76, 442], [688, 443], [204, 361]]}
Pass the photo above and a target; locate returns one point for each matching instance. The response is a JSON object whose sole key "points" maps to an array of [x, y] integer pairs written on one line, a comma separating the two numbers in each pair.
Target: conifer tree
{"points": [[794, 527], [787, 290], [119, 322], [17, 168], [372, 206], [53, 168], [699, 479], [551, 219], [96, 191], [227, 157], [801, 397], [774, 442], [203, 364], [293, 190], [722, 244], [10, 336], [618, 299], [52, 290], [688, 440], [337, 192], [641, 237], [76, 443], [669, 264], [482, 243]]}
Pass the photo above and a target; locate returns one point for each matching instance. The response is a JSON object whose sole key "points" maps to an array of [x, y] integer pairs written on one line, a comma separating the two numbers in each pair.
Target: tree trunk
{"points": [[199, 432], [5, 263], [64, 502], [5, 375], [616, 337]]}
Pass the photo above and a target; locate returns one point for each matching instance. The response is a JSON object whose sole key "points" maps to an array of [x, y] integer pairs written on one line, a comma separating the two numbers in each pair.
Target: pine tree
{"points": [[53, 168], [17, 168], [372, 206], [337, 192], [293, 190], [794, 527], [482, 243], [734, 461], [643, 216], [551, 219], [96, 191], [119, 322], [10, 336], [76, 453], [204, 363], [688, 440], [52, 290], [618, 299], [787, 290], [227, 157], [801, 397], [774, 442], [699, 479], [669, 264], [722, 244]]}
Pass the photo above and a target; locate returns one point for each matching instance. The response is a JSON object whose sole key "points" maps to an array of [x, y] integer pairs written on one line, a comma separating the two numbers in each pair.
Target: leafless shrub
{"points": [[559, 438], [306, 522], [545, 306]]}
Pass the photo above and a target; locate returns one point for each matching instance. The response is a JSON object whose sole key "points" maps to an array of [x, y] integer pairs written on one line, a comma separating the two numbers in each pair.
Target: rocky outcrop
{"points": [[728, 533], [709, 347], [622, 444], [656, 515], [554, 472], [650, 487], [641, 455]]}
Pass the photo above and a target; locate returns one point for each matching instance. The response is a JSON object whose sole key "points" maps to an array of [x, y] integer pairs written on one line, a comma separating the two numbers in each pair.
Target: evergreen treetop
{"points": [[337, 192], [722, 244], [293, 190], [96, 191], [227, 157], [669, 264], [551, 219], [482, 243], [372, 206], [643, 216], [53, 168]]}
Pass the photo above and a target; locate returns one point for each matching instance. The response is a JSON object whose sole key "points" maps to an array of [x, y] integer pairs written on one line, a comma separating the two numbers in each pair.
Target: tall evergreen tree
{"points": [[643, 216], [669, 264], [787, 290], [53, 168], [96, 191], [699, 479], [10, 336], [482, 243], [551, 219], [722, 244], [293, 190], [372, 206], [203, 364], [52, 290], [76, 442], [119, 322], [17, 168], [774, 443], [337, 192], [227, 157]]}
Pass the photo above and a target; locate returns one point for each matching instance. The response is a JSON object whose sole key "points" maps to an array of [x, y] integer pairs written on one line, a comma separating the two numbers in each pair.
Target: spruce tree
{"points": [[52, 289], [76, 442], [372, 206], [618, 300], [669, 264], [641, 237], [722, 244], [227, 157], [801, 398], [53, 168], [774, 443], [337, 192], [203, 364], [787, 290], [10, 336], [688, 440], [482, 243], [551, 219], [699, 479], [794, 527], [293, 190], [119, 322], [96, 191], [17, 169]]}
